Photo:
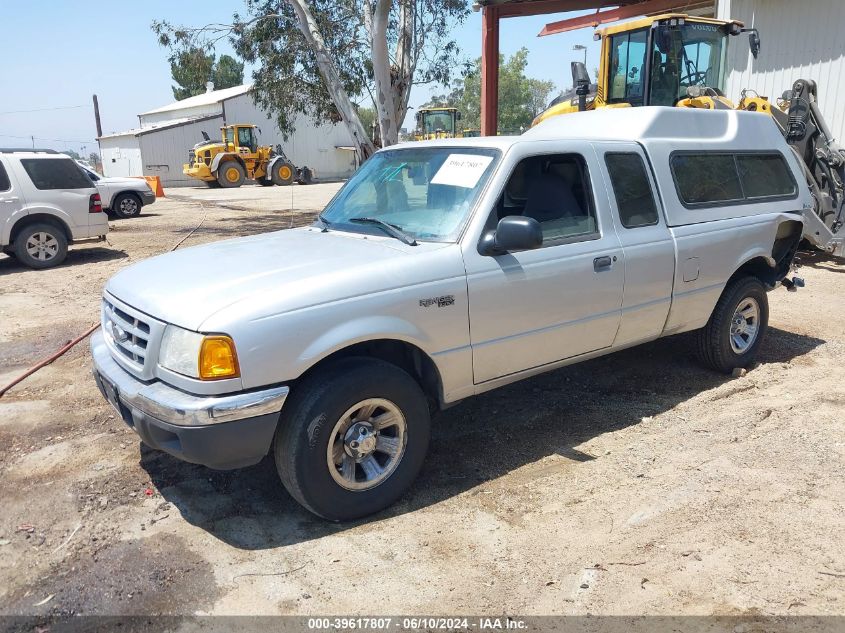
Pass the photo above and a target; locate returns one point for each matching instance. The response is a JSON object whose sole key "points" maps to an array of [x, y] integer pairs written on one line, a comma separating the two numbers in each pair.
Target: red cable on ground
{"points": [[49, 360], [88, 333]]}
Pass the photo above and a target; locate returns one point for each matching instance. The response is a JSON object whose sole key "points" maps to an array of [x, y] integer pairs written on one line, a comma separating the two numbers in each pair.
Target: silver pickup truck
{"points": [[441, 270]]}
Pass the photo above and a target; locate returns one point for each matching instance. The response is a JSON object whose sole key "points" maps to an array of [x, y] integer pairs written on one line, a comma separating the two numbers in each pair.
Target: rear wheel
{"points": [[265, 183], [41, 245], [126, 205], [283, 173], [230, 174], [736, 329], [212, 184], [352, 438]]}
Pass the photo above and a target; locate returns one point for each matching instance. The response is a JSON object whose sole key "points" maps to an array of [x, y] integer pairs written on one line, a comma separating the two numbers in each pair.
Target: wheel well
{"points": [[128, 192], [786, 243], [406, 356], [36, 218], [229, 158]]}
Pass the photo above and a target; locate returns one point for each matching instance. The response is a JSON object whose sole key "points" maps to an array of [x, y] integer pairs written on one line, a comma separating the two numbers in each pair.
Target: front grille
{"points": [[129, 334]]}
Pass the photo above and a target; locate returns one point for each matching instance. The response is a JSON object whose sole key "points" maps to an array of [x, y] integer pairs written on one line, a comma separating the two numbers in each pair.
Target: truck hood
{"points": [[272, 273]]}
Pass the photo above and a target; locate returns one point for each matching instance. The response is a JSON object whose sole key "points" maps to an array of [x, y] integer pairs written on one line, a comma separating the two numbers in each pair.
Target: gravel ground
{"points": [[639, 483]]}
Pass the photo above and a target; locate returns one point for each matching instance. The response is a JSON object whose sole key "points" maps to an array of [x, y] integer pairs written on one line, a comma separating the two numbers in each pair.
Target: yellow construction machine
{"points": [[238, 157], [680, 60], [437, 122]]}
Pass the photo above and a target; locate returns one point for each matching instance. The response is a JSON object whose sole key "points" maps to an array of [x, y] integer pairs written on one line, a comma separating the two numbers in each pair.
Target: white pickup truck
{"points": [[441, 270]]}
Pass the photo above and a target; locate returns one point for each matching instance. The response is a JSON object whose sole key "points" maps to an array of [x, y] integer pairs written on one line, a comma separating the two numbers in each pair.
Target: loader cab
{"points": [[434, 123], [657, 63], [241, 138]]}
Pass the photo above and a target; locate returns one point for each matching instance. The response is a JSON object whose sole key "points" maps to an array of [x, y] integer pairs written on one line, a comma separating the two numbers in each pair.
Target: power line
{"points": [[46, 109], [56, 140]]}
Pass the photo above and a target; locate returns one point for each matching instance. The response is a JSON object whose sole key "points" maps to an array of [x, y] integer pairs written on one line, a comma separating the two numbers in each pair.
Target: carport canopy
{"points": [[605, 11]]}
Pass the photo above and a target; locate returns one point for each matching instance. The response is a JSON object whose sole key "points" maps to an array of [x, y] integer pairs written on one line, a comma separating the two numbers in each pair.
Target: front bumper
{"points": [[221, 432], [147, 197]]}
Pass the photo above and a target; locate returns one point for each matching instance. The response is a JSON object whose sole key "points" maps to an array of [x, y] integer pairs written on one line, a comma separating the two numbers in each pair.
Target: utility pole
{"points": [[97, 117]]}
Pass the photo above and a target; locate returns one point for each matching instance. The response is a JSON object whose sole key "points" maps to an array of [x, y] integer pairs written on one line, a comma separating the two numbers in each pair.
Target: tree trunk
{"points": [[376, 21], [405, 58], [363, 145]]}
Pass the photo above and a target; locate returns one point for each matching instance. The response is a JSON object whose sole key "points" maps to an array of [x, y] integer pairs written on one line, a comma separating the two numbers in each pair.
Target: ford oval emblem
{"points": [[119, 334]]}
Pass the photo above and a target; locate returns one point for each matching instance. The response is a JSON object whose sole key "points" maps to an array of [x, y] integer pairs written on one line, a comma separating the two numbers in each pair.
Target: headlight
{"points": [[208, 357]]}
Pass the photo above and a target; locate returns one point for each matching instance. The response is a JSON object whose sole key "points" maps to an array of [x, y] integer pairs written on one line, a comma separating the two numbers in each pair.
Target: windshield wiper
{"points": [[390, 229]]}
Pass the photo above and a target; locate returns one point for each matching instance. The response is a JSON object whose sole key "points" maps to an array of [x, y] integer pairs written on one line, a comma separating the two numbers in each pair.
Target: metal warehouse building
{"points": [[159, 146], [801, 40]]}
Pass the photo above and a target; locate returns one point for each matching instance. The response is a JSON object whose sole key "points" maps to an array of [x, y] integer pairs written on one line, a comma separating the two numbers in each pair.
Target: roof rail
{"points": [[29, 150]]}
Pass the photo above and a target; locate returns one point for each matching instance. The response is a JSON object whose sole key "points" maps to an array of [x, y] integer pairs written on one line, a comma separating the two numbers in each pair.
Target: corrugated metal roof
{"points": [[208, 98], [161, 125]]}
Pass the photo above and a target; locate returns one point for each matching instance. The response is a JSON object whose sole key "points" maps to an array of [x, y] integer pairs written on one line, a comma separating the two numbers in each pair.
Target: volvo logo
{"points": [[118, 333]]}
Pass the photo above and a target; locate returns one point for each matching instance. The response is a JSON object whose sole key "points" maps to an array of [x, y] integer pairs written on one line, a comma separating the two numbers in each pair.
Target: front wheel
{"points": [[352, 438], [282, 174], [126, 205], [736, 329]]}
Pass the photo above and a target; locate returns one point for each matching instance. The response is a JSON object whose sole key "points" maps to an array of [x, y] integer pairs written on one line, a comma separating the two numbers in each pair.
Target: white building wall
{"points": [[121, 156], [165, 151], [310, 145], [800, 40]]}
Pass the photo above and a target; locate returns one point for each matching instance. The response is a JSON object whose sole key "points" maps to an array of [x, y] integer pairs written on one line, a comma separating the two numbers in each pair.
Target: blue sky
{"points": [[57, 54]]}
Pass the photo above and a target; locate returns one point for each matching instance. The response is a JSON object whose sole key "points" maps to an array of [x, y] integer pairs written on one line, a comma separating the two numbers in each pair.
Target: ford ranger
{"points": [[441, 270]]}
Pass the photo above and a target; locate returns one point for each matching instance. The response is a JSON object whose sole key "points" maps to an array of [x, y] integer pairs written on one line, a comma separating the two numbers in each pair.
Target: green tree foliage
{"points": [[320, 57], [521, 98], [191, 68]]}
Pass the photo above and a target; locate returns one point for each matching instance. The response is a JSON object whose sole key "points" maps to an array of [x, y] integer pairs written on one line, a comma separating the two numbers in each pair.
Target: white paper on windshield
{"points": [[461, 170]]}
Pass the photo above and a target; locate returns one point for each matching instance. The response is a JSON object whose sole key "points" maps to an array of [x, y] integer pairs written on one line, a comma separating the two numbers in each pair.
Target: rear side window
{"points": [[634, 197], [717, 179], [764, 175], [5, 185], [55, 173], [703, 178]]}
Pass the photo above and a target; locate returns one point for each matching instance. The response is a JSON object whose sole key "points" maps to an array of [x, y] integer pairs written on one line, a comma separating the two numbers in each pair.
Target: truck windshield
{"points": [[426, 192], [692, 54]]}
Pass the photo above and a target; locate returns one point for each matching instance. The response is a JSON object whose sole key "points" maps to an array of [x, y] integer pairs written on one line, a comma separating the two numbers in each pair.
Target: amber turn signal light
{"points": [[218, 358]]}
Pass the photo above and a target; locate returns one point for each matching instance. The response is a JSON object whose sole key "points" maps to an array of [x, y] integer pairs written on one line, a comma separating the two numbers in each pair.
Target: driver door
{"points": [[533, 308]]}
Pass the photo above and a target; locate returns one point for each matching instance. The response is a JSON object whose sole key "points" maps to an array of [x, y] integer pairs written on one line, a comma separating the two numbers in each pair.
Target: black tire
{"points": [[212, 184], [264, 182], [306, 176], [230, 174], [126, 205], [307, 424], [714, 340], [32, 236], [283, 173]]}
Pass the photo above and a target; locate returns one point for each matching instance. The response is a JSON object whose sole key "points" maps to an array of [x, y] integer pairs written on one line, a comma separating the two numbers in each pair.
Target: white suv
{"points": [[122, 197], [46, 203]]}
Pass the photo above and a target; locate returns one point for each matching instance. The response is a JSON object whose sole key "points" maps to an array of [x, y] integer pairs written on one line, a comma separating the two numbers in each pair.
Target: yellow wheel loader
{"points": [[680, 60], [238, 157], [434, 123]]}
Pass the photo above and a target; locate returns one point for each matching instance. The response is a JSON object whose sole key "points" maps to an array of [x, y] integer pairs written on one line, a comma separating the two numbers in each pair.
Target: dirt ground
{"points": [[639, 483]]}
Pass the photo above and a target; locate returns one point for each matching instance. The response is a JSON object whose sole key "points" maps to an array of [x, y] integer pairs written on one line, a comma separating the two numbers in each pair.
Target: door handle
{"points": [[14, 199], [602, 263]]}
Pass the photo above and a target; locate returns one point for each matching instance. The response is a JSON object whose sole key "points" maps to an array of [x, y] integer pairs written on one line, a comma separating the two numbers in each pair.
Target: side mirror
{"points": [[579, 74], [581, 84], [754, 42], [513, 233]]}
